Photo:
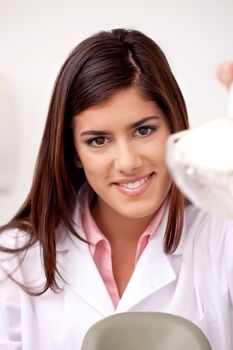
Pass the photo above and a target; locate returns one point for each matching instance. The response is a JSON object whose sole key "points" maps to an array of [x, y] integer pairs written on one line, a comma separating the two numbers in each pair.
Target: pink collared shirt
{"points": [[100, 248]]}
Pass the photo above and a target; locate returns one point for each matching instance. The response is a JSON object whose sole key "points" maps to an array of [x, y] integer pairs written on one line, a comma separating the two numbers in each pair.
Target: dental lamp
{"points": [[200, 160]]}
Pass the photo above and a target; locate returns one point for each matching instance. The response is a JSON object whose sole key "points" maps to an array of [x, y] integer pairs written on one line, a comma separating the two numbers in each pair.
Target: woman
{"points": [[104, 229]]}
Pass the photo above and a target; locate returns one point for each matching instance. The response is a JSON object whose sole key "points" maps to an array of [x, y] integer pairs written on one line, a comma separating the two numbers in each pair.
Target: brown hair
{"points": [[98, 67]]}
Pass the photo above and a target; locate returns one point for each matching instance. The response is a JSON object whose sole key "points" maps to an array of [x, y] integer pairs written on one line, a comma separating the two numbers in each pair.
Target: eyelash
{"points": [[149, 128]]}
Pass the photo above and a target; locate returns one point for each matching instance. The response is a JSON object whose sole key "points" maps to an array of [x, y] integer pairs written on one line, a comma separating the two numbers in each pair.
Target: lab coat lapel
{"points": [[81, 274], [153, 271]]}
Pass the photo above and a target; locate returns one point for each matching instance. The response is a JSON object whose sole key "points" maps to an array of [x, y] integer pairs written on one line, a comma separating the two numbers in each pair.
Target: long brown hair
{"points": [[98, 67]]}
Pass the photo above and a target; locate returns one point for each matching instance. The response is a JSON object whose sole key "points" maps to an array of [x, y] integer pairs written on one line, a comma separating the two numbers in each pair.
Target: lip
{"points": [[137, 191]]}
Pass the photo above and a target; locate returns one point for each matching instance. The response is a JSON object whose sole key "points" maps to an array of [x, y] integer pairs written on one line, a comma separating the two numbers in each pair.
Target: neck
{"points": [[119, 229]]}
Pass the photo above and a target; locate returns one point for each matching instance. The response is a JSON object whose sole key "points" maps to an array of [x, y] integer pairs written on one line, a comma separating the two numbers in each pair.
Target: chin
{"points": [[140, 213]]}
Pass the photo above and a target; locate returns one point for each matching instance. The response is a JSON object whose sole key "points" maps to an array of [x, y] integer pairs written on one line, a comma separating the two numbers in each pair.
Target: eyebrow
{"points": [[131, 126]]}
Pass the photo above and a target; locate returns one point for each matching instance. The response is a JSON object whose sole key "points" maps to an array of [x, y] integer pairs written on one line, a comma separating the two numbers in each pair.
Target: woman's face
{"points": [[121, 145]]}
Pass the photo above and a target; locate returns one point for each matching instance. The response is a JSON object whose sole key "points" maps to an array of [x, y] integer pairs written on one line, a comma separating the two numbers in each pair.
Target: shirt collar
{"points": [[87, 194]]}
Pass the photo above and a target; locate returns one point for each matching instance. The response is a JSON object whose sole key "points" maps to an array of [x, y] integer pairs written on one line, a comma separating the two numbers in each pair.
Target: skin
{"points": [[224, 73], [124, 153]]}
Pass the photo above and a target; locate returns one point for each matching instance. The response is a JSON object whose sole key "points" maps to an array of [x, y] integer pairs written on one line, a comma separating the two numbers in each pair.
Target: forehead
{"points": [[124, 107]]}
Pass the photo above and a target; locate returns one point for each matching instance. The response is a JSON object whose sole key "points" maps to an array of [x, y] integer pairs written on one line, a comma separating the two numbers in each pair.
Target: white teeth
{"points": [[136, 184]]}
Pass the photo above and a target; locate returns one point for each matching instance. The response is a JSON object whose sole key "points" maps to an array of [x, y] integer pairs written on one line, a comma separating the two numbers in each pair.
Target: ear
{"points": [[78, 163]]}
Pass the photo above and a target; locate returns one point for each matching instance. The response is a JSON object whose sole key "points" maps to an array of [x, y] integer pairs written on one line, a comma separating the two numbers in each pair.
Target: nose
{"points": [[127, 158]]}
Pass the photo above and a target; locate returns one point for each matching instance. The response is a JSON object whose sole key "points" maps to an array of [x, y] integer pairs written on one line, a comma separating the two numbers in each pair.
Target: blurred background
{"points": [[37, 36]]}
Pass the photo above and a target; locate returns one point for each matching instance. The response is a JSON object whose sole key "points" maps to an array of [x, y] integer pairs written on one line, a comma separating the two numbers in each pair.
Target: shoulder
{"points": [[13, 238], [14, 258], [210, 233], [203, 221]]}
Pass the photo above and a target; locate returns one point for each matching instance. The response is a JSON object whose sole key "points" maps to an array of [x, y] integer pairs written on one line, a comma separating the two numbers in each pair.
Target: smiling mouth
{"points": [[134, 185]]}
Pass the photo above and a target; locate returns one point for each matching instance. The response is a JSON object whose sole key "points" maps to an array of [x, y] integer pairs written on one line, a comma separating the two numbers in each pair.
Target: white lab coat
{"points": [[195, 282]]}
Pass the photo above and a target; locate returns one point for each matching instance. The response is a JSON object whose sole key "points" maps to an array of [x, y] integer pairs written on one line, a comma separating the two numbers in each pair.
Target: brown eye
{"points": [[98, 141], [144, 131]]}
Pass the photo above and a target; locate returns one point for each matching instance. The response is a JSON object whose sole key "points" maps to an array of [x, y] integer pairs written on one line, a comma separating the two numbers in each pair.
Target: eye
{"points": [[144, 130], [98, 141]]}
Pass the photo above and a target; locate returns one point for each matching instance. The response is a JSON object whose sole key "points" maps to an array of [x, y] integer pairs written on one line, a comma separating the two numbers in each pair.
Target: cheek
{"points": [[164, 183], [94, 166], [161, 152], [160, 161], [91, 167], [157, 153]]}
